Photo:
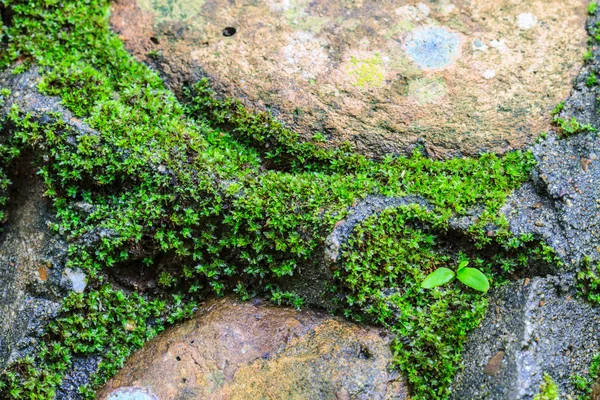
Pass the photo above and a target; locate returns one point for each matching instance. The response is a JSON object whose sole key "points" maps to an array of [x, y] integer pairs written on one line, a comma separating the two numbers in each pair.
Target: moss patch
{"points": [[233, 201]]}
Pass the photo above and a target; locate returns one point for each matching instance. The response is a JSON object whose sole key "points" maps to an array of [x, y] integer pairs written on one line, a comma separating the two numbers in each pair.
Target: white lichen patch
{"points": [[526, 21], [77, 278], [479, 45], [499, 45], [304, 56], [489, 74]]}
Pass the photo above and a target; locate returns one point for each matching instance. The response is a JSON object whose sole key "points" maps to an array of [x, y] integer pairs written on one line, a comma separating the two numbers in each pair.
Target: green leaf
{"points": [[462, 264], [438, 277], [473, 278]]}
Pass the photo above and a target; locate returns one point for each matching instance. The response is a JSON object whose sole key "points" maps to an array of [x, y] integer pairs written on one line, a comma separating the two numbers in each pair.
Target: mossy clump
{"points": [[215, 199], [548, 389]]}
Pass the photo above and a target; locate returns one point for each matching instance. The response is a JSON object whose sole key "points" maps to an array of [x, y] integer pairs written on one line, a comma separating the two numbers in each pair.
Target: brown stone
{"points": [[494, 364], [241, 350], [460, 76]]}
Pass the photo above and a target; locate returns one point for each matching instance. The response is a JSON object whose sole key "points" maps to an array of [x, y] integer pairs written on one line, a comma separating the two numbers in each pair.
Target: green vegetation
{"points": [[588, 385], [592, 8], [591, 80], [548, 389], [103, 320], [588, 279], [559, 107], [207, 195], [471, 277], [569, 127]]}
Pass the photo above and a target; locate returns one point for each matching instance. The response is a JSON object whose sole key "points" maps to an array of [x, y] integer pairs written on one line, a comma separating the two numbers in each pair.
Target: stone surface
{"points": [[30, 281], [236, 350], [532, 326], [561, 203], [459, 77], [33, 279]]}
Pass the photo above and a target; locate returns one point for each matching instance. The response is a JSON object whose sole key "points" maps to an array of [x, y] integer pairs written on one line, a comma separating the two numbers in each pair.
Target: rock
{"points": [[30, 266], [33, 278], [459, 77], [561, 202], [532, 326], [362, 210], [240, 350]]}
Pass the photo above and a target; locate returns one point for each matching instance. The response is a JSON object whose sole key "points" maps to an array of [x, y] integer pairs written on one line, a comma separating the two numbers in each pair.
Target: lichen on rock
{"points": [[492, 70]]}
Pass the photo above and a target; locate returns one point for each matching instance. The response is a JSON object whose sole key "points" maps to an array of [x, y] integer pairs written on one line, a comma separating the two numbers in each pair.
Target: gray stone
{"points": [[531, 327], [33, 280], [30, 261], [561, 204]]}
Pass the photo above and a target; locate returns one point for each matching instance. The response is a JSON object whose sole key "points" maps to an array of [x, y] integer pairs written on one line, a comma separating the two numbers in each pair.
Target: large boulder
{"points": [[458, 77], [243, 350]]}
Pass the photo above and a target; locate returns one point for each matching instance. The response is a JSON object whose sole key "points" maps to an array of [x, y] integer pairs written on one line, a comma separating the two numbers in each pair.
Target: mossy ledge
{"points": [[215, 199]]}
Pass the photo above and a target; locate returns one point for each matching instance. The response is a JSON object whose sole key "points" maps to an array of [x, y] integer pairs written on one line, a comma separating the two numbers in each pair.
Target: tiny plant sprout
{"points": [[471, 277]]}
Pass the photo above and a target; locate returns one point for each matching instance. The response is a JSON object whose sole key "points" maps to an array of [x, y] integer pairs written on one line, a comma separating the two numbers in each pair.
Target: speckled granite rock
{"points": [[459, 77], [237, 350], [531, 327]]}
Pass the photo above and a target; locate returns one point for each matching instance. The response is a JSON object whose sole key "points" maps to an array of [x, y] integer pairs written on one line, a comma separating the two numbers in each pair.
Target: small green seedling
{"points": [[471, 277]]}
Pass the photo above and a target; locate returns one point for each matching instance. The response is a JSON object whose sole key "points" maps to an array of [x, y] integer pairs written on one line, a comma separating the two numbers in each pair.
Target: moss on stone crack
{"points": [[230, 196]]}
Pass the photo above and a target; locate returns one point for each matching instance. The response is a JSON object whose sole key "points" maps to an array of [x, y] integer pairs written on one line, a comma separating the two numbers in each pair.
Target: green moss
{"points": [[588, 279], [105, 320], [559, 107], [229, 196], [569, 127], [592, 8], [384, 263], [548, 389], [591, 80]]}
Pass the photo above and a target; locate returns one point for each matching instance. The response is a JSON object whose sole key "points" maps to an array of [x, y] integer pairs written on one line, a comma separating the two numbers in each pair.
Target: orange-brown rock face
{"points": [[460, 76], [235, 350]]}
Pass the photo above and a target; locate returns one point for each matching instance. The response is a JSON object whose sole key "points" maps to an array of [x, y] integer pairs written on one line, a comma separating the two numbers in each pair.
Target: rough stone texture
{"points": [[459, 77], [531, 327], [562, 201], [236, 350], [27, 272], [364, 209], [32, 279]]}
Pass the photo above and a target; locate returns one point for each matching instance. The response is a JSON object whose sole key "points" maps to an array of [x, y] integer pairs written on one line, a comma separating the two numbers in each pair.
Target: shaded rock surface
{"points": [[459, 77], [238, 350], [531, 327], [32, 276], [30, 279]]}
